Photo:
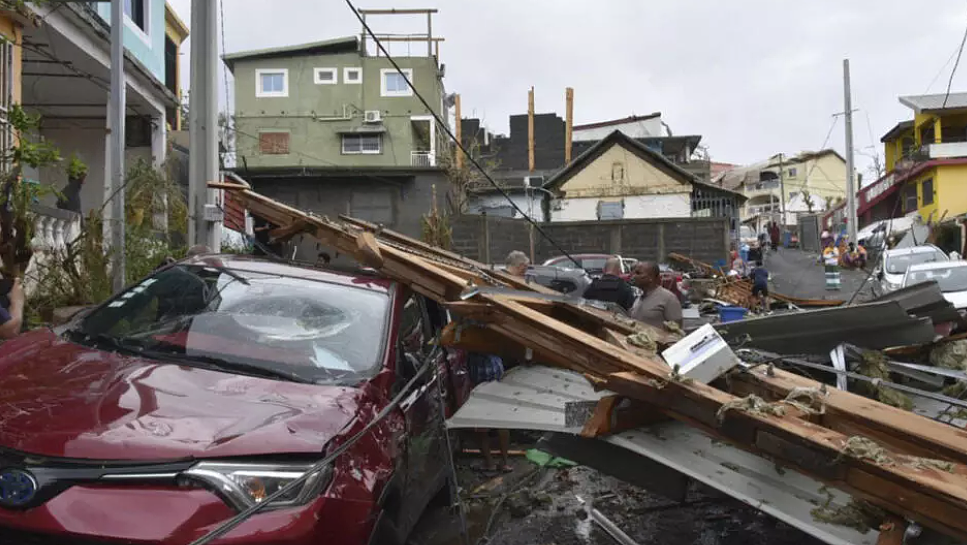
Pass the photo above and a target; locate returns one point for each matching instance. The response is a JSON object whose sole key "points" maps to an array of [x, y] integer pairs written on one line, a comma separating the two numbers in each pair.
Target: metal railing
{"points": [[422, 159]]}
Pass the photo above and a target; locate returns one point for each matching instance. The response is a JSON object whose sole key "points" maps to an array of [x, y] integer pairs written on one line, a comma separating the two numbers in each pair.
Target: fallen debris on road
{"points": [[596, 344]]}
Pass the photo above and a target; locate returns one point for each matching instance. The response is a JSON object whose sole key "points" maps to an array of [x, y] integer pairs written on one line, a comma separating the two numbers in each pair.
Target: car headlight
{"points": [[243, 485]]}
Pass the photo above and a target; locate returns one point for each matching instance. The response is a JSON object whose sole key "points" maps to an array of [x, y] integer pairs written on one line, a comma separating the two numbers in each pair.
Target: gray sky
{"points": [[753, 77]]}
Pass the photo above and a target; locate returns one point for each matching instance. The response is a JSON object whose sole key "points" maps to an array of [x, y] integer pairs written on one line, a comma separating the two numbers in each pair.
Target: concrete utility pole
{"points": [[116, 144], [782, 195], [850, 168], [459, 130], [204, 223], [569, 124]]}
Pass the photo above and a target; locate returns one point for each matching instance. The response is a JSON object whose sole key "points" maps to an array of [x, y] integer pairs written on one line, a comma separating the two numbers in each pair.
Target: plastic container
{"points": [[731, 314]]}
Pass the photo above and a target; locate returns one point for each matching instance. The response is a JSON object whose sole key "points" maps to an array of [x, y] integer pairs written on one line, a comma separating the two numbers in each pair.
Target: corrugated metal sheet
{"points": [[534, 398]]}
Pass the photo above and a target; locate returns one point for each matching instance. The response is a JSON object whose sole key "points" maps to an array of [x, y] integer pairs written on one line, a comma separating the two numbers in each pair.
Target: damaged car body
{"points": [[211, 385]]}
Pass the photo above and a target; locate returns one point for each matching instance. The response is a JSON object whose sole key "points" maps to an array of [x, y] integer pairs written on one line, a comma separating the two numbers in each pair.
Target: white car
{"points": [[897, 261], [951, 276]]}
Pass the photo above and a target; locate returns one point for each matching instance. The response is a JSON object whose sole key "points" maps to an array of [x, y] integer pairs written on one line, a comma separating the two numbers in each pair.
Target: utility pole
{"points": [[204, 222], [782, 195], [459, 130], [850, 172], [116, 120]]}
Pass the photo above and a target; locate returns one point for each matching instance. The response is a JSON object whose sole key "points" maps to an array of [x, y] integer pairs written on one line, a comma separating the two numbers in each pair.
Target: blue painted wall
{"points": [[150, 49]]}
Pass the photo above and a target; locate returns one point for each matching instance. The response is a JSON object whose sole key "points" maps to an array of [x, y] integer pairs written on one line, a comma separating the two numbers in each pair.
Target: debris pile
{"points": [[752, 407]]}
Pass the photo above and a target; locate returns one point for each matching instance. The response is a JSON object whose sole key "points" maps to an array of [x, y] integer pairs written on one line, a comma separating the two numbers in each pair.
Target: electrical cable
{"points": [[880, 258], [950, 82], [244, 515], [446, 129]]}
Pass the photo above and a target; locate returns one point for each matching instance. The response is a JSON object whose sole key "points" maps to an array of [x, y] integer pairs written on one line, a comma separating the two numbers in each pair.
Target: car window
{"points": [[316, 330], [414, 331], [593, 264], [949, 279], [898, 264]]}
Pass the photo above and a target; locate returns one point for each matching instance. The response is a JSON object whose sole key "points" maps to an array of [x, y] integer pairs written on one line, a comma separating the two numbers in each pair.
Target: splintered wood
{"points": [[583, 339]]}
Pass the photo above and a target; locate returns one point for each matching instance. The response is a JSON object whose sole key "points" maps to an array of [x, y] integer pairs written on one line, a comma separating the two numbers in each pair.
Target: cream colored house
{"points": [[820, 176], [621, 178]]}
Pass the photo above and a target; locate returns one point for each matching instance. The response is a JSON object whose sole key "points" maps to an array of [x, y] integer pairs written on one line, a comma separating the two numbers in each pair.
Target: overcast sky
{"points": [[753, 77]]}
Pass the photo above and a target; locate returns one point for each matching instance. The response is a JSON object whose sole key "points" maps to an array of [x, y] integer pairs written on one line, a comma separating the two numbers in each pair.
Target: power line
{"points": [[942, 68], [950, 82], [446, 129]]}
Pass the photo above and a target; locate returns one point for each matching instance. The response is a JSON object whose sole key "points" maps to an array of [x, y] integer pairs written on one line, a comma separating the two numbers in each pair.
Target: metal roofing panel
{"points": [[534, 397]]}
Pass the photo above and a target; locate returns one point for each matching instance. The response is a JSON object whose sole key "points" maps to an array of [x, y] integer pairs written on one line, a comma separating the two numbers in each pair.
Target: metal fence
{"points": [[809, 233]]}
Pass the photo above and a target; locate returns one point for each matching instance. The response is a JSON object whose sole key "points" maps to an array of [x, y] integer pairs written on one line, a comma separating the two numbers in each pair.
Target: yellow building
{"points": [[926, 161], [175, 34]]}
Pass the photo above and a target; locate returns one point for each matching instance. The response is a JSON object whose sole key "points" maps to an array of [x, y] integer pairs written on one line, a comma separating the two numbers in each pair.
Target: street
{"points": [[800, 274]]}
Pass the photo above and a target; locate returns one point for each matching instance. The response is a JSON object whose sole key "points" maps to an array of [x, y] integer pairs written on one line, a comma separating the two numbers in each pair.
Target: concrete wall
{"points": [[314, 114], [635, 207], [408, 200], [89, 145], [532, 204], [634, 129], [489, 239], [148, 47]]}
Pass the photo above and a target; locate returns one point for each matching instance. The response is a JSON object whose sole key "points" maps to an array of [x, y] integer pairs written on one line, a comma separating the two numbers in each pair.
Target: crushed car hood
{"points": [[62, 399]]}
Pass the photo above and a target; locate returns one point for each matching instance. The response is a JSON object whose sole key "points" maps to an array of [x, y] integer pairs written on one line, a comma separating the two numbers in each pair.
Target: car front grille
{"points": [[21, 537]]}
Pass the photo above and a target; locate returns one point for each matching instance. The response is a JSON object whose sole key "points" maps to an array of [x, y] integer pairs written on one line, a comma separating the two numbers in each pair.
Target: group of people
{"points": [[853, 256], [655, 306]]}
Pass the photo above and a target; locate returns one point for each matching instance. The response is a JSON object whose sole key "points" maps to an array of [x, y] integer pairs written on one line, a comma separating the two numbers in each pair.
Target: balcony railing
{"points": [[422, 159], [53, 230], [946, 150]]}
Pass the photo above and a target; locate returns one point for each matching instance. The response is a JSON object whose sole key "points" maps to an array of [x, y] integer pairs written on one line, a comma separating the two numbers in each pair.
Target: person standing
{"points": [[490, 368], [656, 304], [610, 287], [760, 287], [12, 311], [774, 235], [831, 266], [517, 263]]}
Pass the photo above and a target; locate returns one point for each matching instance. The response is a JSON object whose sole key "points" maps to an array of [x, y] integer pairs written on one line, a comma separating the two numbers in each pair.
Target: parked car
{"points": [[212, 384], [592, 263], [951, 276], [564, 280], [748, 236], [897, 261]]}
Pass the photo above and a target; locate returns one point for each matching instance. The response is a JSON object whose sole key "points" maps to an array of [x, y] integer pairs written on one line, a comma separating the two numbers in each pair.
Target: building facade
{"points": [[65, 79], [331, 129], [809, 182]]}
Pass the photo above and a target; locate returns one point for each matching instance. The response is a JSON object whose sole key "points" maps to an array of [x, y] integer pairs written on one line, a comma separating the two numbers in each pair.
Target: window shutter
{"points": [[274, 143]]}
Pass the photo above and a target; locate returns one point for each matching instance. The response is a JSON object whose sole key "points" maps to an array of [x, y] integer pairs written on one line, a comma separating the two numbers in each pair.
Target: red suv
{"points": [[210, 385]]}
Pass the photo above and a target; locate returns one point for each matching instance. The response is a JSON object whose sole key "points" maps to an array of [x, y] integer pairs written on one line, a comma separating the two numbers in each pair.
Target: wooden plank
{"points": [[368, 250], [892, 531], [288, 231], [600, 421], [853, 414]]}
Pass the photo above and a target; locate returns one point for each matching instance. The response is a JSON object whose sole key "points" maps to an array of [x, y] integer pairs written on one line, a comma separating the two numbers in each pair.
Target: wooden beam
{"points": [[281, 234], [569, 124], [368, 250], [530, 129]]}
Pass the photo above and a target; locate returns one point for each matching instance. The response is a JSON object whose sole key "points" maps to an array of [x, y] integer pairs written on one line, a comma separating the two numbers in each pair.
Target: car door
{"points": [[452, 370], [425, 444]]}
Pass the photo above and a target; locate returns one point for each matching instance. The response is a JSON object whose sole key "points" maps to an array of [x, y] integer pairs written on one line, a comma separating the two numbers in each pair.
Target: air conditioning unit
{"points": [[373, 116], [533, 181]]}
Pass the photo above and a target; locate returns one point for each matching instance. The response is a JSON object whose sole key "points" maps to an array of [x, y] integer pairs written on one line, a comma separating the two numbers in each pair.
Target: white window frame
{"points": [[350, 81], [378, 136], [408, 92], [143, 34], [272, 94], [319, 81]]}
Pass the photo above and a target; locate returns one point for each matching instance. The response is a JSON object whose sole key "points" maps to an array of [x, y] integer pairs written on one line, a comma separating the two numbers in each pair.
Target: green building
{"points": [[330, 129], [328, 105]]}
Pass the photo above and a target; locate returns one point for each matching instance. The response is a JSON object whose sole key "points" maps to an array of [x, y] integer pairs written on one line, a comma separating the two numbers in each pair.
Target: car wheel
{"points": [[385, 532]]}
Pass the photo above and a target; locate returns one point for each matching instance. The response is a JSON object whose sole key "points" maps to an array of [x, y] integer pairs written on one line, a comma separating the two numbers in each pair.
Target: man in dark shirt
{"points": [[610, 288], [760, 286]]}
